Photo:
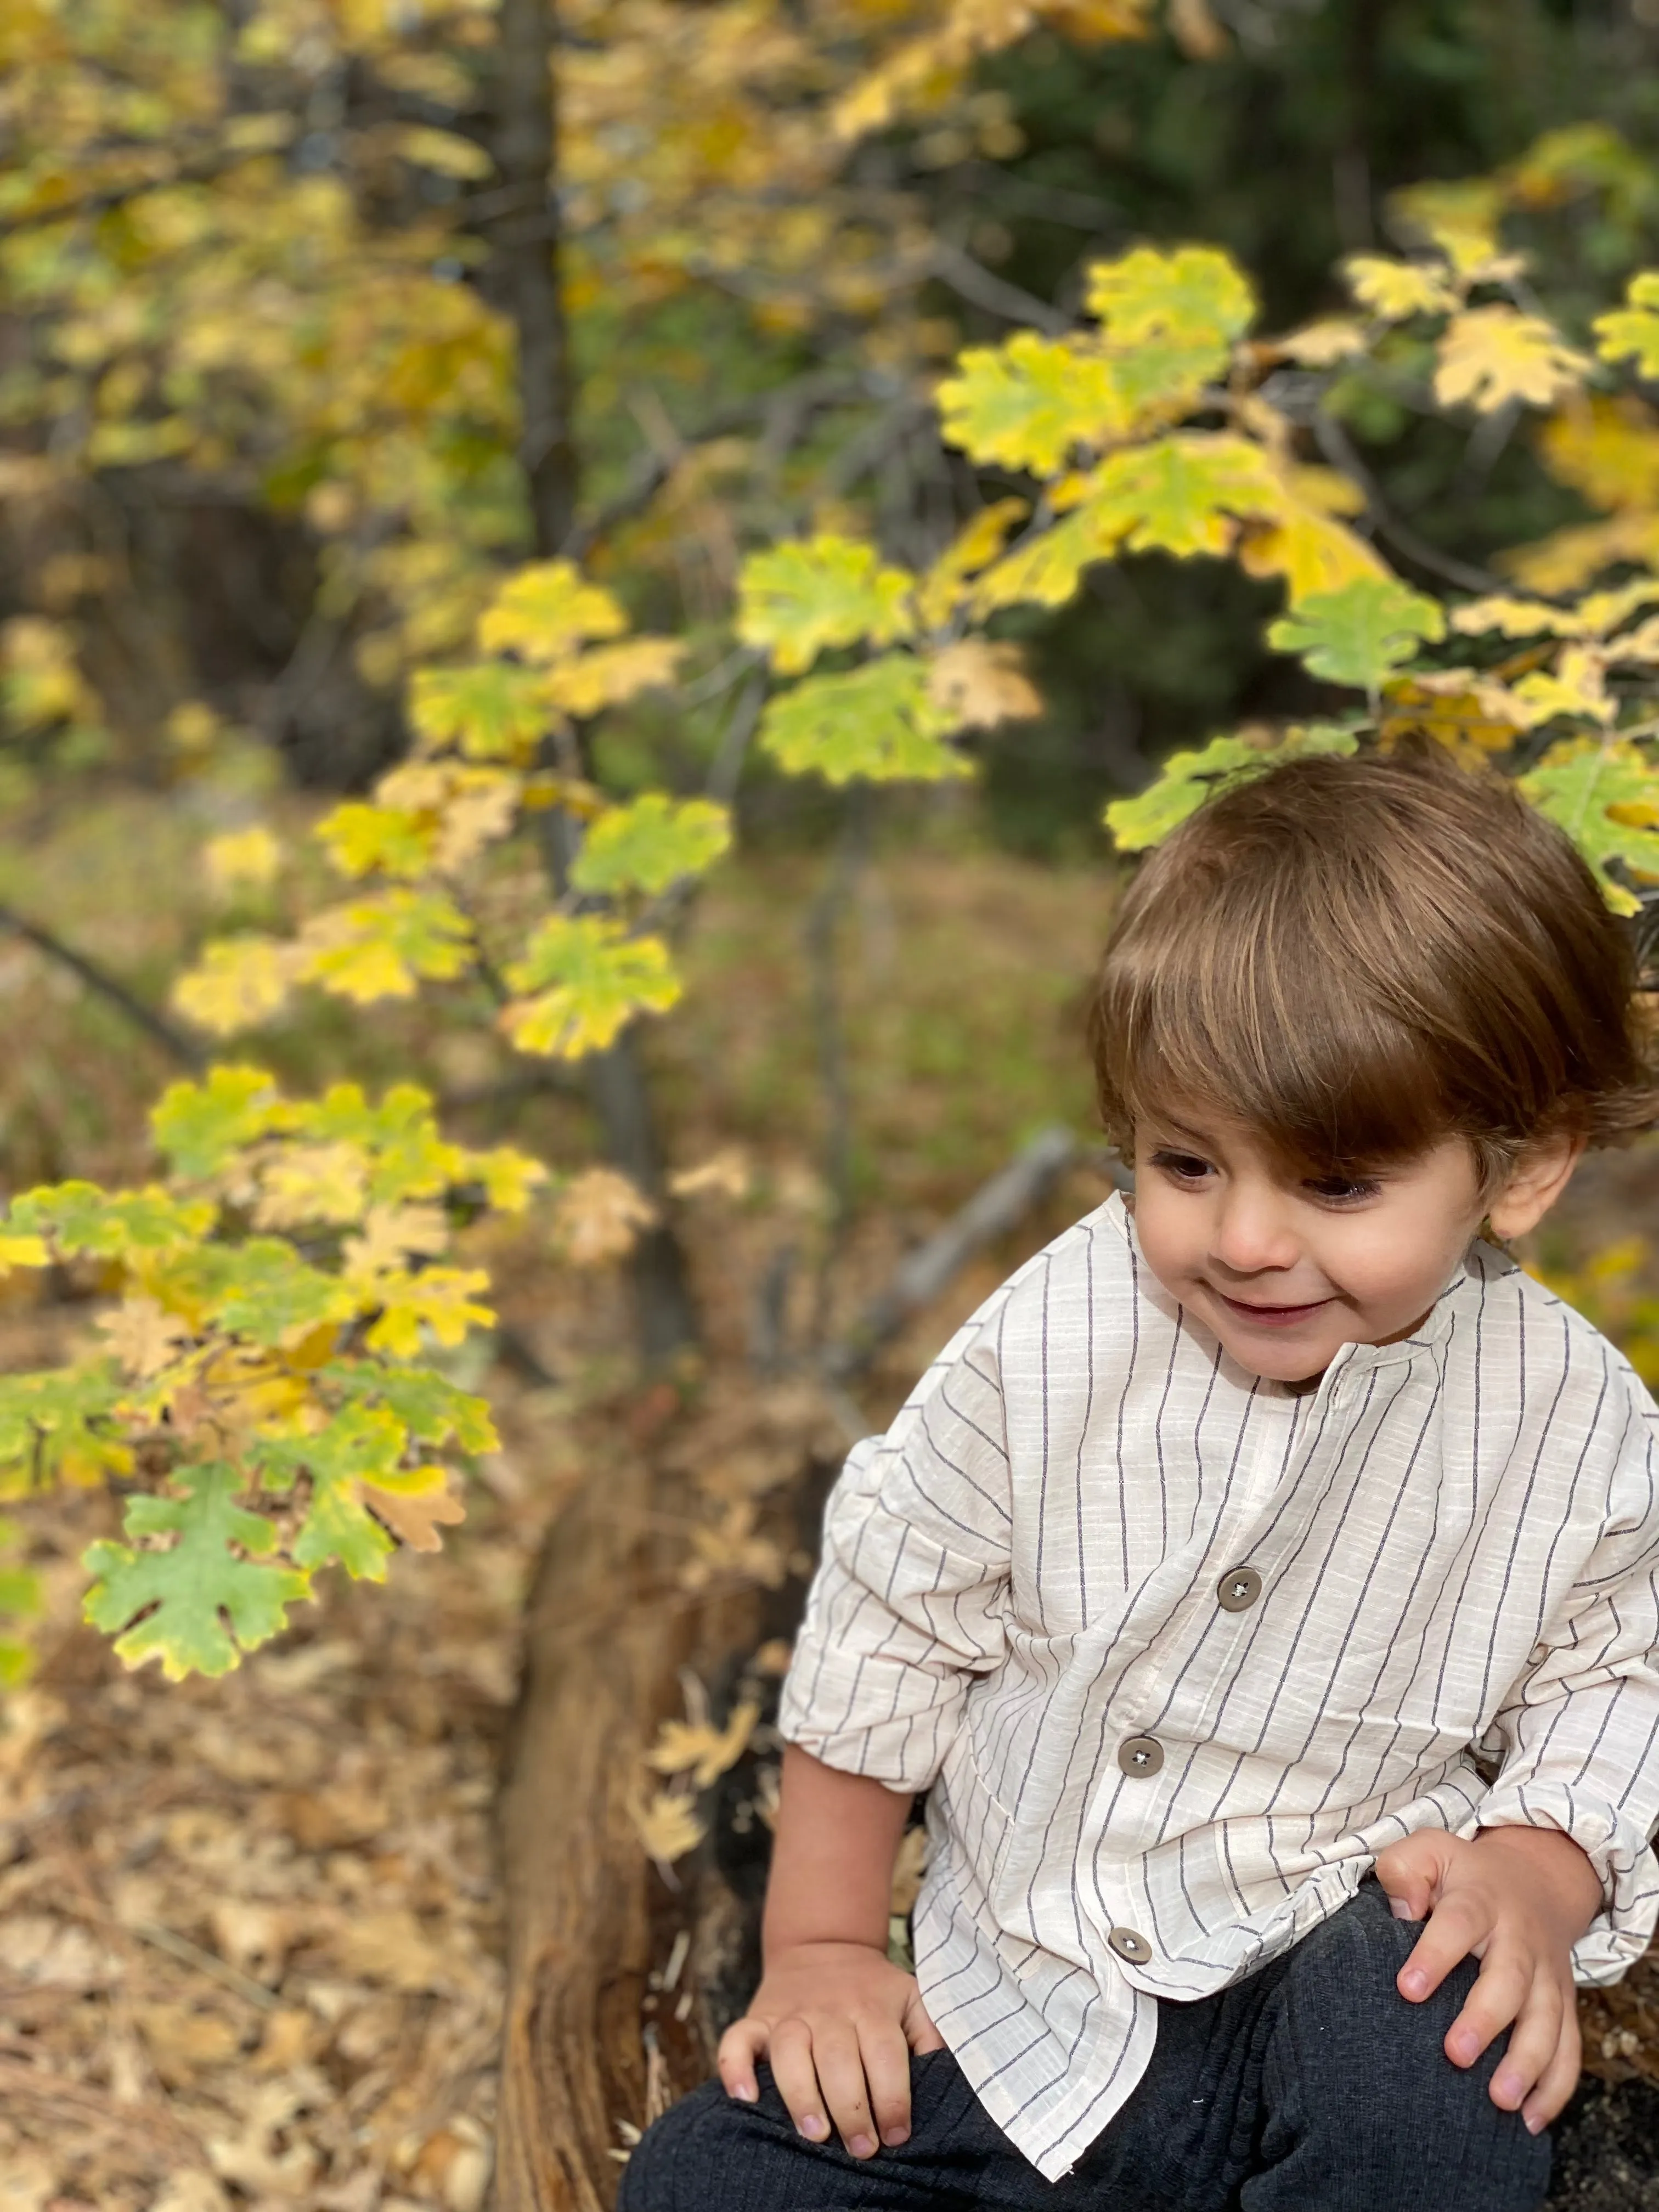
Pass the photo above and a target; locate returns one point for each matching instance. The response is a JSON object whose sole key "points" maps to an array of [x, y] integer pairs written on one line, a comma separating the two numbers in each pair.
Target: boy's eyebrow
{"points": [[1166, 1123]]}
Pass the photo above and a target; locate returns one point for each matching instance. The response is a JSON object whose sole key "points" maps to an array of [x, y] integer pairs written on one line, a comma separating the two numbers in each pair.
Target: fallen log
{"points": [[592, 2050]]}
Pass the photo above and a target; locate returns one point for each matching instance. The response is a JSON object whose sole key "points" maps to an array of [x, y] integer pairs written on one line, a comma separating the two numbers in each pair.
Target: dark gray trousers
{"points": [[1312, 2087]]}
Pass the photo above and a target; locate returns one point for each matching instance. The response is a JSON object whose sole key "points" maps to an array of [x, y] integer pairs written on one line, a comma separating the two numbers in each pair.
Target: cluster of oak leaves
{"points": [[263, 1387]]}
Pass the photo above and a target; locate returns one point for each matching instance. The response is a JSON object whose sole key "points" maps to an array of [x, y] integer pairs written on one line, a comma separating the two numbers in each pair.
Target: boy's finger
{"points": [[797, 2079], [1534, 2041], [887, 2070], [919, 2032], [743, 2042], [1500, 1996], [840, 2073], [1456, 1926], [1560, 2077]]}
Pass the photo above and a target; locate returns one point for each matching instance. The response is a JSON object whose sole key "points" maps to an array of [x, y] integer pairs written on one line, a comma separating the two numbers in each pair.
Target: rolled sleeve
{"points": [[1579, 1734], [909, 1602]]}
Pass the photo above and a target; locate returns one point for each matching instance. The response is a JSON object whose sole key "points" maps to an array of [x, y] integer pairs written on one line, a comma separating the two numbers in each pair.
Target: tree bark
{"points": [[608, 1629], [524, 240]]}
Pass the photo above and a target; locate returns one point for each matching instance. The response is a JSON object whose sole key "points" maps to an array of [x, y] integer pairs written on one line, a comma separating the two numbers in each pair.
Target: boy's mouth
{"points": [[1265, 1316]]}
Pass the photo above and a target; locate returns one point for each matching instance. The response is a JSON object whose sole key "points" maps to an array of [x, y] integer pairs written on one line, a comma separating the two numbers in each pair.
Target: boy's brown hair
{"points": [[1359, 957]]}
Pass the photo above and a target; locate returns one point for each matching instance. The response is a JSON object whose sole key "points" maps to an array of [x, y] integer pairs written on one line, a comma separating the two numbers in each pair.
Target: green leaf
{"points": [[381, 947], [651, 844], [877, 721], [1182, 494], [262, 1290], [1360, 633], [200, 1128], [432, 1409], [1188, 779], [53, 1425], [1606, 797], [1195, 293], [796, 600], [585, 979], [409, 1158], [196, 1606], [79, 1217], [492, 710], [1029, 404], [364, 1443], [1632, 332]]}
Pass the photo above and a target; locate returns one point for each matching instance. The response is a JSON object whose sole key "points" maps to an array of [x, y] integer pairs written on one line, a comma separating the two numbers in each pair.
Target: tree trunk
{"points": [[525, 250]]}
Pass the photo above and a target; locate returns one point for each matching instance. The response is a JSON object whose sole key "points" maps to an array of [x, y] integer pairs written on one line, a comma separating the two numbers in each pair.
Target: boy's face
{"points": [[1286, 1269]]}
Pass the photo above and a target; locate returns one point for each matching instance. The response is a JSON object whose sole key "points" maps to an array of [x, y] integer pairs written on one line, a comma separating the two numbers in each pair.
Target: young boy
{"points": [[1261, 1585]]}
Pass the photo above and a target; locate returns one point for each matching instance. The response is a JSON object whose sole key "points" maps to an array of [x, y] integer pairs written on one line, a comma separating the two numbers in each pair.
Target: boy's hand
{"points": [[1517, 1899], [838, 2022]]}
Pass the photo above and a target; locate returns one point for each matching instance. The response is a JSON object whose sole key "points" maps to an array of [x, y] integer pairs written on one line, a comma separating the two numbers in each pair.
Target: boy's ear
{"points": [[1536, 1180]]}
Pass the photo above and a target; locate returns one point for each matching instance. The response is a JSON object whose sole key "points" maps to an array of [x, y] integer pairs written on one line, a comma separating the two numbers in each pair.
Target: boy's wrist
{"points": [[1552, 1857]]}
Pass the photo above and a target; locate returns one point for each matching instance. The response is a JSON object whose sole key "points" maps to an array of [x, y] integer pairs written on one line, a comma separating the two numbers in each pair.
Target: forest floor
{"points": [[250, 1930]]}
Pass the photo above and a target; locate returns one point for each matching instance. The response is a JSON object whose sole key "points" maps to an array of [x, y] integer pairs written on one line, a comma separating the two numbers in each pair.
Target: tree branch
{"points": [[1339, 450], [995, 295], [178, 1047]]}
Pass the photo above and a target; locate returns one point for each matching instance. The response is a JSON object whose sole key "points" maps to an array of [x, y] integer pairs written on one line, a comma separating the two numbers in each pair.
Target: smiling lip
{"points": [[1271, 1316]]}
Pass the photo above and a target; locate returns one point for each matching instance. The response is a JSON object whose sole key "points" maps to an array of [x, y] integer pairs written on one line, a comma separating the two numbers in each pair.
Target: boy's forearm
{"points": [[832, 1863]]}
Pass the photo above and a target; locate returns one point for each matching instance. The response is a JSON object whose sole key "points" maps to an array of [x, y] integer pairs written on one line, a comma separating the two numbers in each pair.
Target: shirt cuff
{"points": [[1615, 1847]]}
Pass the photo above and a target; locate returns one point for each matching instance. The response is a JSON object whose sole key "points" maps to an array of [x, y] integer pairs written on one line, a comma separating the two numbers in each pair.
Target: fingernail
{"points": [[1535, 2122], [1401, 1910], [861, 2147], [1463, 2048], [744, 2093], [814, 2126], [1507, 2086], [895, 2136], [1414, 1982]]}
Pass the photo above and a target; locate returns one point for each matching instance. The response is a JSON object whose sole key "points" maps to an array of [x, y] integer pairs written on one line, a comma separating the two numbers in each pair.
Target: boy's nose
{"points": [[1252, 1232]]}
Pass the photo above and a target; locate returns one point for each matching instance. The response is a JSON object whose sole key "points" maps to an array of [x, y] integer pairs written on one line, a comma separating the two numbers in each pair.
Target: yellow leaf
{"points": [[380, 948], [511, 1179], [977, 543], [598, 1217], [440, 1299], [1606, 448], [700, 1749], [584, 979], [22, 1251], [981, 683], [303, 1184], [1395, 290], [1577, 685], [238, 982], [723, 1174], [547, 609], [668, 1826], [415, 1506], [143, 1336], [1323, 344], [242, 857], [1489, 357], [391, 1234], [615, 672], [1512, 617]]}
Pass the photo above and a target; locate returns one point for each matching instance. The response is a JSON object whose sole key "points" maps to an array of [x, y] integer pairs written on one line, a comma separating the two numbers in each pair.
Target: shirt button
{"points": [[1140, 1756], [1129, 1943], [1238, 1589]]}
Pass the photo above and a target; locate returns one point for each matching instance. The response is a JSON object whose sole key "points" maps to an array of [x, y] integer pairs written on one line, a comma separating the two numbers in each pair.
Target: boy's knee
{"points": [[683, 2161]]}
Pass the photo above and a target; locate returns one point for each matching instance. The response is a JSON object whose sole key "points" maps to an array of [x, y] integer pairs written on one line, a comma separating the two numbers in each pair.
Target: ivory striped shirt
{"points": [[1177, 1650]]}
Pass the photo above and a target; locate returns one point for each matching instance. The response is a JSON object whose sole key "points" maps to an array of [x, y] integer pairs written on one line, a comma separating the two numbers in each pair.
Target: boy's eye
{"points": [[1186, 1167], [1337, 1188]]}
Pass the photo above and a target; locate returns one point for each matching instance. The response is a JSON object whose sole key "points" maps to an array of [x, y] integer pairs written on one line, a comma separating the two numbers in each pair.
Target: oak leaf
{"points": [[981, 683], [493, 710], [315, 1182], [143, 1335], [1632, 332], [796, 600], [1490, 355], [1030, 403], [250, 857], [438, 1300], [391, 1234], [581, 979], [238, 983], [976, 545], [668, 1826], [1357, 635], [414, 1504], [196, 1605], [1396, 290], [546, 611], [1579, 784], [878, 722], [600, 1216], [383, 947], [200, 1128], [613, 673], [1195, 293], [652, 842], [700, 1749]]}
